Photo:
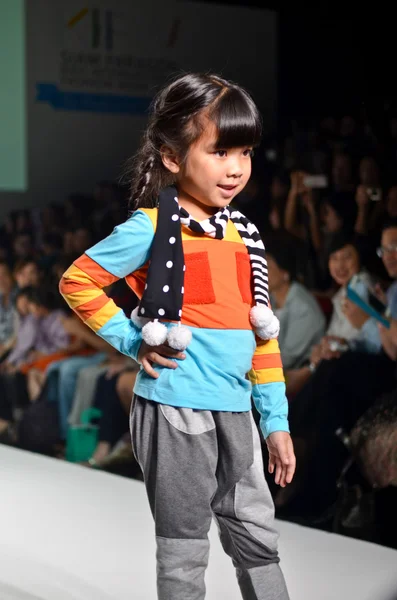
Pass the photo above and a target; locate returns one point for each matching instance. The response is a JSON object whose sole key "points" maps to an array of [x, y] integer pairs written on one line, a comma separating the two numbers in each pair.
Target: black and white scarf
{"points": [[163, 294]]}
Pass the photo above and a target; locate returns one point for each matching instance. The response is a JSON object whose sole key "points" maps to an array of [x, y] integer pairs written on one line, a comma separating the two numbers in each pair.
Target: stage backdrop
{"points": [[12, 96], [93, 68]]}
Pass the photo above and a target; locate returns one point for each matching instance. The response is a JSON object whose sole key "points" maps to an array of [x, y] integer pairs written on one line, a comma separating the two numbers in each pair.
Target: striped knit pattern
{"points": [[82, 288], [215, 226]]}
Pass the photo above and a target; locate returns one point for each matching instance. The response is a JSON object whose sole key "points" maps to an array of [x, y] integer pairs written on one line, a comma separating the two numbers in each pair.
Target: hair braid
{"points": [[143, 180], [148, 175]]}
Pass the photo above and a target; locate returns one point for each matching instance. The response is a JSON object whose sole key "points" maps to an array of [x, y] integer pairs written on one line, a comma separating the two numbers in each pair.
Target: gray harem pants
{"points": [[200, 465]]}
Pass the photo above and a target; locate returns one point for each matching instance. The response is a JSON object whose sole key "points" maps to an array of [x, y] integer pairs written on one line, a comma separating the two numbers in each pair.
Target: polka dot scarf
{"points": [[164, 289]]}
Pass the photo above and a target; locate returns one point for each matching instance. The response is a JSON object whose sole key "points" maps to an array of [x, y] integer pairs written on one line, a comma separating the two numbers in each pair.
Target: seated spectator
{"points": [[338, 393], [51, 248], [62, 374], [52, 340], [302, 324], [338, 212], [87, 382], [25, 335], [303, 220], [374, 437], [8, 293], [22, 246], [82, 240], [344, 262], [23, 221], [49, 337], [68, 243], [27, 273], [113, 397], [52, 219]]}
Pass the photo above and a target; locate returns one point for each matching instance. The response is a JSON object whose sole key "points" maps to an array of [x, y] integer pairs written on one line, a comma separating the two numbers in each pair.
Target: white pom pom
{"points": [[271, 331], [137, 320], [154, 333], [179, 337], [261, 315]]}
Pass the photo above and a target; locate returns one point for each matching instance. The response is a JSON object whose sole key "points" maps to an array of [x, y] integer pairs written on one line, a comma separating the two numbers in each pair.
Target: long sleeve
{"points": [[268, 387], [52, 335], [26, 338], [124, 251], [302, 325]]}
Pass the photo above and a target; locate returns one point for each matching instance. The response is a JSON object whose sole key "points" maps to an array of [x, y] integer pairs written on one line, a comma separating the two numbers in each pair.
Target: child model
{"points": [[203, 324]]}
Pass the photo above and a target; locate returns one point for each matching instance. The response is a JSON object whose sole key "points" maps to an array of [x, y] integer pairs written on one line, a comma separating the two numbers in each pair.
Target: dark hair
{"points": [[344, 205], [53, 239], [280, 248], [389, 224], [5, 264], [24, 233], [176, 121], [24, 292], [341, 240], [43, 296], [283, 176], [21, 264]]}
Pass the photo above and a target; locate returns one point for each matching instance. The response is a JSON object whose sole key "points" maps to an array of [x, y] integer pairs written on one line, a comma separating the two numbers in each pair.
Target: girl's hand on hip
{"points": [[149, 355], [281, 457]]}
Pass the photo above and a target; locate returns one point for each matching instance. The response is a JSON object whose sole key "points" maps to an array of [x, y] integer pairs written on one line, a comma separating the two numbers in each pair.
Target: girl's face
{"points": [[343, 264], [212, 177]]}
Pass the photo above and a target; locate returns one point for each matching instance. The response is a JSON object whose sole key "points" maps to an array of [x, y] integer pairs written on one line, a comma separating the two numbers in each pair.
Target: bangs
{"points": [[237, 120]]}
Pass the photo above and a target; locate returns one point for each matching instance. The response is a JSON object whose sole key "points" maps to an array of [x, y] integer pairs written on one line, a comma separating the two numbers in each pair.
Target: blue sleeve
{"points": [[121, 333], [271, 403], [123, 252], [127, 248]]}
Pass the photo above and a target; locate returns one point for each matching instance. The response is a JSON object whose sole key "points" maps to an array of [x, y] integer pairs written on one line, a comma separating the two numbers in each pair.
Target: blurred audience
{"points": [[302, 323]]}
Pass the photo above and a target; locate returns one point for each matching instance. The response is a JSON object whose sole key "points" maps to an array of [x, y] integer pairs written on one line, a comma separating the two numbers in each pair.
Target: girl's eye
{"points": [[221, 153], [249, 152]]}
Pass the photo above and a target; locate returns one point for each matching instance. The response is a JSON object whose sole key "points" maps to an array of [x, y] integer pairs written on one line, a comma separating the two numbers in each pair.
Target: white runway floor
{"points": [[67, 533]]}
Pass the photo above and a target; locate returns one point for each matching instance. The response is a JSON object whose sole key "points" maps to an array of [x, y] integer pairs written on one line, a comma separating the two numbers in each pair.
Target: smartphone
{"points": [[371, 304], [376, 304], [374, 194], [336, 346], [315, 181]]}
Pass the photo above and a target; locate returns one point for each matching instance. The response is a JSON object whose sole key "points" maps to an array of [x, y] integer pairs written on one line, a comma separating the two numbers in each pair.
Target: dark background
{"points": [[333, 58]]}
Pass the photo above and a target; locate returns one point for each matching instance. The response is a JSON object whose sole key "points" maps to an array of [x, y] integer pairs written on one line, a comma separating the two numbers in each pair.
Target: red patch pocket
{"points": [[244, 276], [198, 281]]}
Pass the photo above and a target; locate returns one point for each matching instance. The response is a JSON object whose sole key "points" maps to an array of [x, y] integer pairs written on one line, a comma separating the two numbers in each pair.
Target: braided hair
{"points": [[176, 121]]}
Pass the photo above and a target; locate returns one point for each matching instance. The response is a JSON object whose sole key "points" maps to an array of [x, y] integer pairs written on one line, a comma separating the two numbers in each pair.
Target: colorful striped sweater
{"points": [[225, 364]]}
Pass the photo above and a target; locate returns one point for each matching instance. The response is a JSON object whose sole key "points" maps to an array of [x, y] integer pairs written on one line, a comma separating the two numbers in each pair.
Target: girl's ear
{"points": [[170, 159]]}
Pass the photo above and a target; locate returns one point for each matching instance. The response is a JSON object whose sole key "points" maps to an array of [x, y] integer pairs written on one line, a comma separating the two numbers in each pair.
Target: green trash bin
{"points": [[82, 440]]}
